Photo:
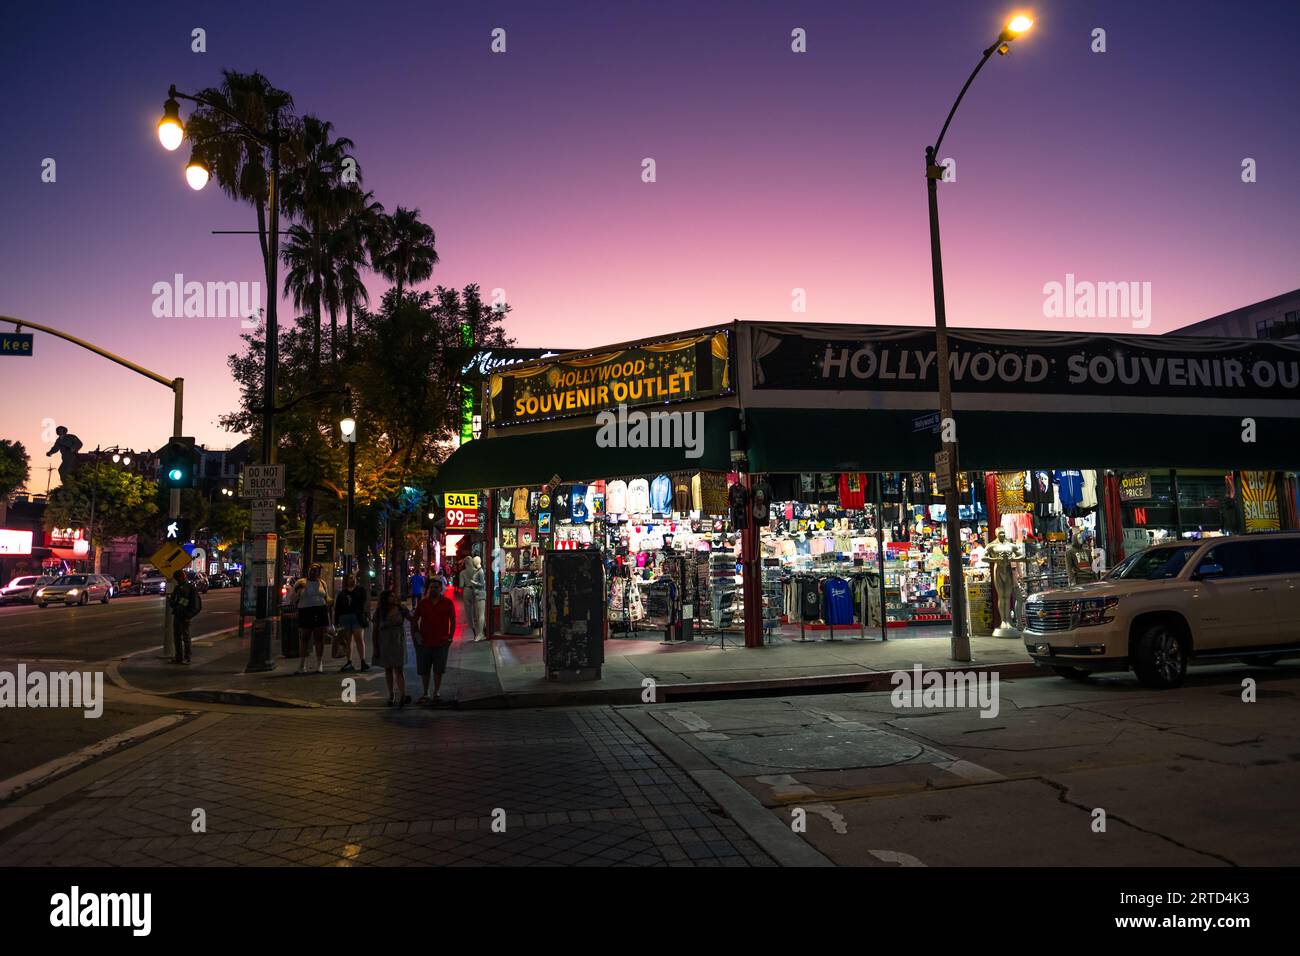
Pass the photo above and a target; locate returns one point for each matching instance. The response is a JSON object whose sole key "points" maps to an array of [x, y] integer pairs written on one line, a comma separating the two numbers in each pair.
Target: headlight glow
{"points": [[1093, 611]]}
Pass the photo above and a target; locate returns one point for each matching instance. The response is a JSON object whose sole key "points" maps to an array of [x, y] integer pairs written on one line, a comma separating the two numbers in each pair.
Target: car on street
{"points": [[1224, 597], [218, 579], [76, 589], [199, 580], [21, 590], [151, 582]]}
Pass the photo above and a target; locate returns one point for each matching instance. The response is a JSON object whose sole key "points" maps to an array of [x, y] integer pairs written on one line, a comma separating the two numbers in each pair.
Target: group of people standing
{"points": [[432, 617]]}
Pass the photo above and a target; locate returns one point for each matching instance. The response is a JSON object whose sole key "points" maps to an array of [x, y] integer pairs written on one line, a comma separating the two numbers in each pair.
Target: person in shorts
{"points": [[435, 624]]}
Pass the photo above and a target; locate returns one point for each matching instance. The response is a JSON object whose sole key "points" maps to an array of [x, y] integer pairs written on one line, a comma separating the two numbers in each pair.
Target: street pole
{"points": [[952, 519], [173, 511], [947, 424], [352, 486]]}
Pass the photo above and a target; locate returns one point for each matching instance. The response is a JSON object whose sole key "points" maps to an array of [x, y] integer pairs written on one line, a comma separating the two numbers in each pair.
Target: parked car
{"points": [[199, 580], [152, 582], [76, 589], [1228, 597], [219, 579], [21, 590]]}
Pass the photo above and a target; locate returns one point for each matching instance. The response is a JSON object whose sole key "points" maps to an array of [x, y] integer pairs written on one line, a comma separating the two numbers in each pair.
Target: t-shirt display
{"points": [[616, 498], [839, 602], [638, 496], [578, 503], [560, 503], [853, 490], [661, 495], [521, 504]]}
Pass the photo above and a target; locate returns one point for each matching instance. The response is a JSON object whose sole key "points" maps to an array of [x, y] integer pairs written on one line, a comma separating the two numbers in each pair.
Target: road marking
{"points": [[690, 720], [828, 812], [896, 856], [970, 771], [30, 778], [784, 785]]}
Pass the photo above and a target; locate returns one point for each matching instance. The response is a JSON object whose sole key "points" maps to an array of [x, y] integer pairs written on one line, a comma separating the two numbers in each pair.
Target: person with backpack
{"points": [[185, 603]]}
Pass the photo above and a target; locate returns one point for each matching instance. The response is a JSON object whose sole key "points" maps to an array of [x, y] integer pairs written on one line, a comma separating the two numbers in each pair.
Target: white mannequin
{"points": [[1001, 556], [476, 599]]}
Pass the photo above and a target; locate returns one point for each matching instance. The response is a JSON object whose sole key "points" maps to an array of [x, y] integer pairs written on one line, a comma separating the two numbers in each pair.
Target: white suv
{"points": [[1231, 597]]}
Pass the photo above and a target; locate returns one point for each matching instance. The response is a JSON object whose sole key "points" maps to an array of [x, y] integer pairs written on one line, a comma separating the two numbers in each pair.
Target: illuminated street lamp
{"points": [[1016, 27], [170, 128], [196, 173]]}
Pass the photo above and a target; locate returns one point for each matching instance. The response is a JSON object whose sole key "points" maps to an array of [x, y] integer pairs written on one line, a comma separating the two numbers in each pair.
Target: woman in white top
{"points": [[313, 603]]}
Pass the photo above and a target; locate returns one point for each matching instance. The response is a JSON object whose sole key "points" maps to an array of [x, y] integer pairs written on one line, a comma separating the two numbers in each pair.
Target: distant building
{"points": [[1275, 318]]}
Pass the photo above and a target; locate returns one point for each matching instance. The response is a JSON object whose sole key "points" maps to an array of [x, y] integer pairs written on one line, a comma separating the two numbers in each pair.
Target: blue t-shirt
{"points": [[417, 584], [839, 601], [1069, 485], [578, 504], [661, 495]]}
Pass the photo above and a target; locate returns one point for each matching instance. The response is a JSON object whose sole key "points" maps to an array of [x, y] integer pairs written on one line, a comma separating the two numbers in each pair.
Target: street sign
{"points": [[15, 343], [924, 423], [462, 511], [350, 541], [264, 560], [943, 471], [169, 559], [177, 529], [262, 481], [322, 547], [262, 516]]}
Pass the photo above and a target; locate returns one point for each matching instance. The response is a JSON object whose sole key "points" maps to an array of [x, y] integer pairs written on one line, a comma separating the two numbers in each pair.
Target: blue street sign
{"points": [[15, 343], [926, 423]]}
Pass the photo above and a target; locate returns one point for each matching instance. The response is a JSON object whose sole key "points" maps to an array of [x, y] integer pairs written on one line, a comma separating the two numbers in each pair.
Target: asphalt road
{"points": [[102, 631]]}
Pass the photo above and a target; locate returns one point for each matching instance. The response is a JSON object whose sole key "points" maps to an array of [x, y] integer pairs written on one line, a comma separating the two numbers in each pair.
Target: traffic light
{"points": [[178, 463]]}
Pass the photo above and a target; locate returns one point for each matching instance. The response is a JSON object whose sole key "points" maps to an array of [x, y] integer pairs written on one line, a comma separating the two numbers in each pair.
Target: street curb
{"points": [[759, 823], [238, 698]]}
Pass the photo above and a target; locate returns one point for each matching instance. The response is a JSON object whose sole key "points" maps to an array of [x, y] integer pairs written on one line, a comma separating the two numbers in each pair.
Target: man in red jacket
{"points": [[435, 621]]}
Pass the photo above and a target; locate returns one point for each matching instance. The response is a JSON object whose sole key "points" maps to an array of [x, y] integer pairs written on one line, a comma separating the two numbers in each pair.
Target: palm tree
{"points": [[360, 243], [240, 166], [313, 191], [408, 254], [302, 277]]}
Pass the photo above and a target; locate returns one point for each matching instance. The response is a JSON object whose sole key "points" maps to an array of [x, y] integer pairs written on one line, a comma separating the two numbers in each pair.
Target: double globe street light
{"points": [[1016, 27]]}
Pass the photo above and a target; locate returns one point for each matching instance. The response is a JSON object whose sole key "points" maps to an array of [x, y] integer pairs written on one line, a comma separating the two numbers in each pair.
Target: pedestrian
{"points": [[185, 603], [417, 587], [313, 602], [435, 620], [351, 617], [389, 644]]}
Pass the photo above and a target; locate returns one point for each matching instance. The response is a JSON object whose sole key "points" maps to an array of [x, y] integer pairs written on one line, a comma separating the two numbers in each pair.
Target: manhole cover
{"points": [[822, 750]]}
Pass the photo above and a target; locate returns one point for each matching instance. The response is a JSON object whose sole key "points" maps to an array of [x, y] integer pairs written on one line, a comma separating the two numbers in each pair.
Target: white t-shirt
{"points": [[638, 496], [616, 498], [312, 594]]}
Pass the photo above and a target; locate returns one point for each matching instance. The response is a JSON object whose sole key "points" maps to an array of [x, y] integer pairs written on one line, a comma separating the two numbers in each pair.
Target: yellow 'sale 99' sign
{"points": [[650, 374], [462, 510]]}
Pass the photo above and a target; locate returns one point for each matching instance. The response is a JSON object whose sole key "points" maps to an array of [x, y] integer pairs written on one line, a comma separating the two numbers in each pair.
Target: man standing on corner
{"points": [[417, 587], [185, 603]]}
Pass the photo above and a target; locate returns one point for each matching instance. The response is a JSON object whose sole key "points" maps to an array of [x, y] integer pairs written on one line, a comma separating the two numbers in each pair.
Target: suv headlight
{"points": [[73, 592], [1098, 610]]}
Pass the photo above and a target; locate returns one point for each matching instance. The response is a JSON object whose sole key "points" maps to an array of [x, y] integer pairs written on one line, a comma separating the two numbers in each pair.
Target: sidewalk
{"points": [[510, 672]]}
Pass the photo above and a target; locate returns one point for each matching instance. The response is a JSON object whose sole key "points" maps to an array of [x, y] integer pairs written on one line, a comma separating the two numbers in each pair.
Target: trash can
{"points": [[289, 632]]}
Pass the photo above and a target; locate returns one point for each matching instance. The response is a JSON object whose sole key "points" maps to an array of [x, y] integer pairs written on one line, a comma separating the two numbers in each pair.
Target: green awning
{"points": [[573, 454], [792, 440]]}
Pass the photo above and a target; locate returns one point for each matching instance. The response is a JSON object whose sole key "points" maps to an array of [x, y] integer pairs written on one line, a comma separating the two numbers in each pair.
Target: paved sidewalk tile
{"points": [[573, 787]]}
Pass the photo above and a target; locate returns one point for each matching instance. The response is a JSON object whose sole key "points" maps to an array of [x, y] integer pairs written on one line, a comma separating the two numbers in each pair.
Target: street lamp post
{"points": [[948, 432], [170, 133], [348, 429]]}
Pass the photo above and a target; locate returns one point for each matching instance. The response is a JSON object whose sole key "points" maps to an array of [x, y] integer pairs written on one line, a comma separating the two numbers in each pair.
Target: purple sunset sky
{"points": [[776, 170]]}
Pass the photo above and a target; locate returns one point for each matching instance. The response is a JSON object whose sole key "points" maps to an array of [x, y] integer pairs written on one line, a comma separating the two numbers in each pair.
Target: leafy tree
{"points": [[110, 502], [15, 468]]}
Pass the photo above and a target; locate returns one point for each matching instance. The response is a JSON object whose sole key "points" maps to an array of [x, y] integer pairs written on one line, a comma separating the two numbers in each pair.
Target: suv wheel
{"points": [[107, 594], [85, 598], [1261, 660], [1160, 657], [1073, 673]]}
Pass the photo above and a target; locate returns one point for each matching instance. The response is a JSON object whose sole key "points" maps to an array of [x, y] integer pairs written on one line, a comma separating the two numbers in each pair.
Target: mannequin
{"points": [[476, 597], [1079, 561], [1001, 556]]}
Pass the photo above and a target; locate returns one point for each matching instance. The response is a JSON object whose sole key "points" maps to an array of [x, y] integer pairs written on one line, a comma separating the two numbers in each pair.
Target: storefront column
{"points": [[751, 566], [489, 562]]}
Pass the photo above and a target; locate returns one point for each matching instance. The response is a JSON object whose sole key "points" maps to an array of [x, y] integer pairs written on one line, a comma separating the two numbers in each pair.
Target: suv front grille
{"points": [[1047, 616]]}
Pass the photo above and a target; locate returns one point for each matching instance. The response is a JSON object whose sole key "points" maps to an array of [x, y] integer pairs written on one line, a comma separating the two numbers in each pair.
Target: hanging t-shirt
{"points": [[810, 600], [839, 601], [521, 504], [681, 492], [638, 496], [560, 503], [1070, 488], [661, 495], [853, 490], [616, 498], [503, 504], [578, 503], [1088, 496], [1011, 492]]}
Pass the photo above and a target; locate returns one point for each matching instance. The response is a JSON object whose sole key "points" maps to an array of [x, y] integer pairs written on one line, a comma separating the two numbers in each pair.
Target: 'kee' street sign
{"points": [[15, 343], [262, 481]]}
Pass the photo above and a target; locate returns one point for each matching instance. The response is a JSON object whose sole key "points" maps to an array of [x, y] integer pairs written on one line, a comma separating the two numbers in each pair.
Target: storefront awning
{"points": [[575, 455], [799, 439]]}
